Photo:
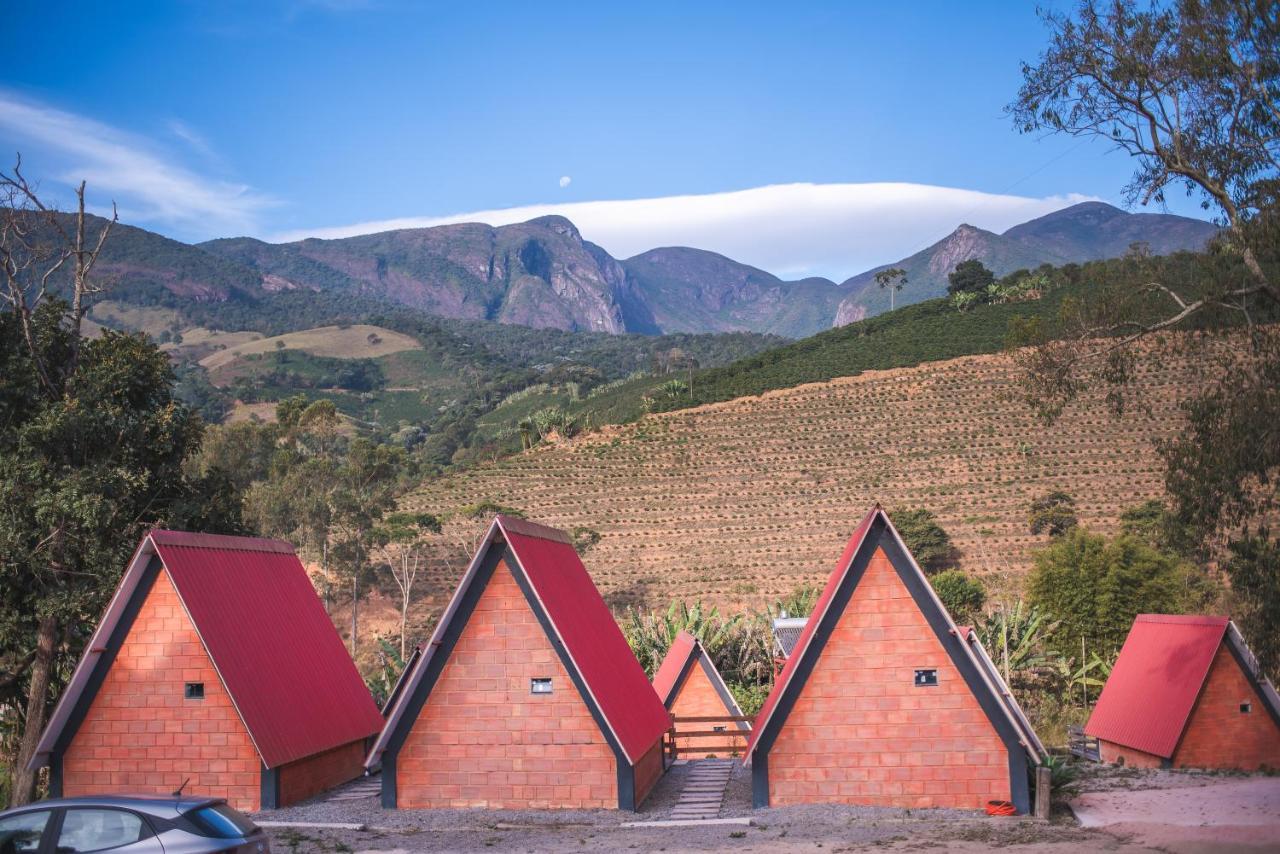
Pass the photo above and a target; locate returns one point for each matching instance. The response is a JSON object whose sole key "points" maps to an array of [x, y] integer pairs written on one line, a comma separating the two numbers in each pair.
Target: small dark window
{"points": [[926, 677], [194, 691], [539, 686], [1246, 708]]}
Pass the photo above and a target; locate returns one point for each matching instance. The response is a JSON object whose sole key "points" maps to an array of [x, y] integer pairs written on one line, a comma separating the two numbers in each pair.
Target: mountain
{"points": [[539, 273], [690, 290], [927, 271], [1090, 231], [543, 274]]}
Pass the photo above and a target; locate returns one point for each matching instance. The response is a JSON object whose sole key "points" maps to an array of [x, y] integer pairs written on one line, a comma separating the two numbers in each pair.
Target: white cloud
{"points": [[565, 180], [150, 187], [792, 230]]}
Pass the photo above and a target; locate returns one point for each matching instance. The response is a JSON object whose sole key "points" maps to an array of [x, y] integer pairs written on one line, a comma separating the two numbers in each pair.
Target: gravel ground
{"points": [[800, 828]]}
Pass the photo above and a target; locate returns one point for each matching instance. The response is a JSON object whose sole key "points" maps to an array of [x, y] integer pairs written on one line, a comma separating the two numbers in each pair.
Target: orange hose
{"points": [[1000, 808]]}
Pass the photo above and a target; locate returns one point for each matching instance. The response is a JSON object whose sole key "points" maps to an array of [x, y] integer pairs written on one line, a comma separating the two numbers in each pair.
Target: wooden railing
{"points": [[722, 735], [1084, 746]]}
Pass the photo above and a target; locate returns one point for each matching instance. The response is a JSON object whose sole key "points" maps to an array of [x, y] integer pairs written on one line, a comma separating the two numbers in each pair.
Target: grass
{"points": [[359, 341]]}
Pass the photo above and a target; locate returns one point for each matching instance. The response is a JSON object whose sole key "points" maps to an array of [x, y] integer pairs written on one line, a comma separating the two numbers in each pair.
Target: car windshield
{"points": [[221, 822]]}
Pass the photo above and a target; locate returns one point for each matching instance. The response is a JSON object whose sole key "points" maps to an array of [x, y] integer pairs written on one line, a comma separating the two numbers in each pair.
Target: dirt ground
{"points": [[1137, 810]]}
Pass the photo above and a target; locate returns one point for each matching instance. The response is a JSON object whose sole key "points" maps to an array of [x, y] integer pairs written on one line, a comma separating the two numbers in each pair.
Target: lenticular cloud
{"points": [[792, 230]]}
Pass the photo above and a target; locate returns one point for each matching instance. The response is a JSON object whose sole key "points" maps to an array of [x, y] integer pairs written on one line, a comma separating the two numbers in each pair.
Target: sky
{"points": [[806, 138]]}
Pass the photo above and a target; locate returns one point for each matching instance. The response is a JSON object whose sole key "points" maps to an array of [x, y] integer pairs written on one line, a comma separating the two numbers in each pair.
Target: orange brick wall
{"points": [[861, 733], [141, 735], [1115, 754], [310, 776], [1218, 735], [696, 696], [482, 740], [648, 770]]}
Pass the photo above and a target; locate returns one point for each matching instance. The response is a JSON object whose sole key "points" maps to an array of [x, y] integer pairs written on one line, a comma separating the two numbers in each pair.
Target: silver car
{"points": [[130, 825]]}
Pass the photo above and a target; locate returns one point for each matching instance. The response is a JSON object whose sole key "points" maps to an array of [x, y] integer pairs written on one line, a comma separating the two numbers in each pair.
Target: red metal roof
{"points": [[592, 638], [287, 671], [1155, 681], [664, 681], [819, 608]]}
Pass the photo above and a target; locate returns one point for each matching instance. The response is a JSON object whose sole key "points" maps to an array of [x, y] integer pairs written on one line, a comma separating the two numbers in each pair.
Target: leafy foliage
{"points": [[1095, 587], [970, 277], [962, 596], [1053, 513], [928, 543]]}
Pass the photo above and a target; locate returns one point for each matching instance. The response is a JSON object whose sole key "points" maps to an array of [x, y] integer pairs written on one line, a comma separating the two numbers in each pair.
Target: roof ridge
{"points": [[532, 529], [227, 542], [1184, 619]]}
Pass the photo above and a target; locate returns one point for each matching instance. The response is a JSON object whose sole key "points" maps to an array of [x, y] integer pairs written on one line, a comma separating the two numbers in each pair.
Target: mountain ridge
{"points": [[1089, 231], [544, 274]]}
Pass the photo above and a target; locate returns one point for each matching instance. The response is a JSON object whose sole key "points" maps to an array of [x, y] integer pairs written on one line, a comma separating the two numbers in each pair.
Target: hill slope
{"points": [[690, 290], [1089, 231], [738, 502]]}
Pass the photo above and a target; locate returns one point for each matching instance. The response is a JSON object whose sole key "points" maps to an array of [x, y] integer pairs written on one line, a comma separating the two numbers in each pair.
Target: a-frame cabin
{"points": [[215, 665], [689, 685], [527, 695], [884, 702]]}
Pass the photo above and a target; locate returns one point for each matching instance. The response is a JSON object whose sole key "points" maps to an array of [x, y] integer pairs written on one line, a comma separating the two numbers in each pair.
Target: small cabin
{"points": [[884, 701], [527, 695], [215, 670], [690, 686], [1187, 693]]}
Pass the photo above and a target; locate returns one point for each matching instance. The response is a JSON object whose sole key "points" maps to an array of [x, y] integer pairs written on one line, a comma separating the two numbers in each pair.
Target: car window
{"points": [[21, 832], [98, 830], [221, 822]]}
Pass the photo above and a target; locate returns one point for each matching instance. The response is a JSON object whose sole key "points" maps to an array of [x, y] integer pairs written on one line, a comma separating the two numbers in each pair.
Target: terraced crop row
{"points": [[739, 502]]}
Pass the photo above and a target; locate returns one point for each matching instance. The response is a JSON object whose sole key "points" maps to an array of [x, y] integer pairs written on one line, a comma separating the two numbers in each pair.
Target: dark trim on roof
{"points": [[878, 536], [1242, 657], [101, 668], [401, 680], [717, 682], [685, 669]]}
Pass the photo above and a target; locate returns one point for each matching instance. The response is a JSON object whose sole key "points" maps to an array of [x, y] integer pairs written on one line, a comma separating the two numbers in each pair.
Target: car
{"points": [[145, 824]]}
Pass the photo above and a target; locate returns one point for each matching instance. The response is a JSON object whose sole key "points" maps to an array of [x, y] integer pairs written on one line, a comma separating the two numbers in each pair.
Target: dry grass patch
{"points": [[340, 342]]}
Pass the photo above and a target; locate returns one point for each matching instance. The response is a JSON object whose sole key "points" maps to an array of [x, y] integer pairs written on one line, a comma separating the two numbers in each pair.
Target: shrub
{"points": [[928, 543], [962, 596], [1053, 513]]}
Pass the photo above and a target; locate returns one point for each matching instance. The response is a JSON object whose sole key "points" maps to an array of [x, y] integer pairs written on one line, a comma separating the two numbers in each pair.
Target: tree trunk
{"points": [[23, 781], [355, 613]]}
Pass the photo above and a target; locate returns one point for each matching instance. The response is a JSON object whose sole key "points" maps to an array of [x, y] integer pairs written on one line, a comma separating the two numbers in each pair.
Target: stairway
{"points": [[703, 791]]}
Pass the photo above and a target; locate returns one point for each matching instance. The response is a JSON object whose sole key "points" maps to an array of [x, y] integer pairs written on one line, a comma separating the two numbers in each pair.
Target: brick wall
{"points": [[1218, 734], [696, 696], [140, 735], [314, 774], [482, 740], [1115, 754], [648, 771], [860, 731]]}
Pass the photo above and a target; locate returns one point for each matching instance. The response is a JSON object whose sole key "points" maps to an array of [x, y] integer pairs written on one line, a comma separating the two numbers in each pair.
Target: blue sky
{"points": [[285, 119]]}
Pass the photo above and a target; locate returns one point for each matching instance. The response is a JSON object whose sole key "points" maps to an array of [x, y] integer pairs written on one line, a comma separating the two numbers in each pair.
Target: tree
{"points": [[403, 533], [365, 487], [962, 596], [1189, 91], [895, 279], [1053, 513], [928, 543], [970, 277], [1094, 587], [93, 449]]}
